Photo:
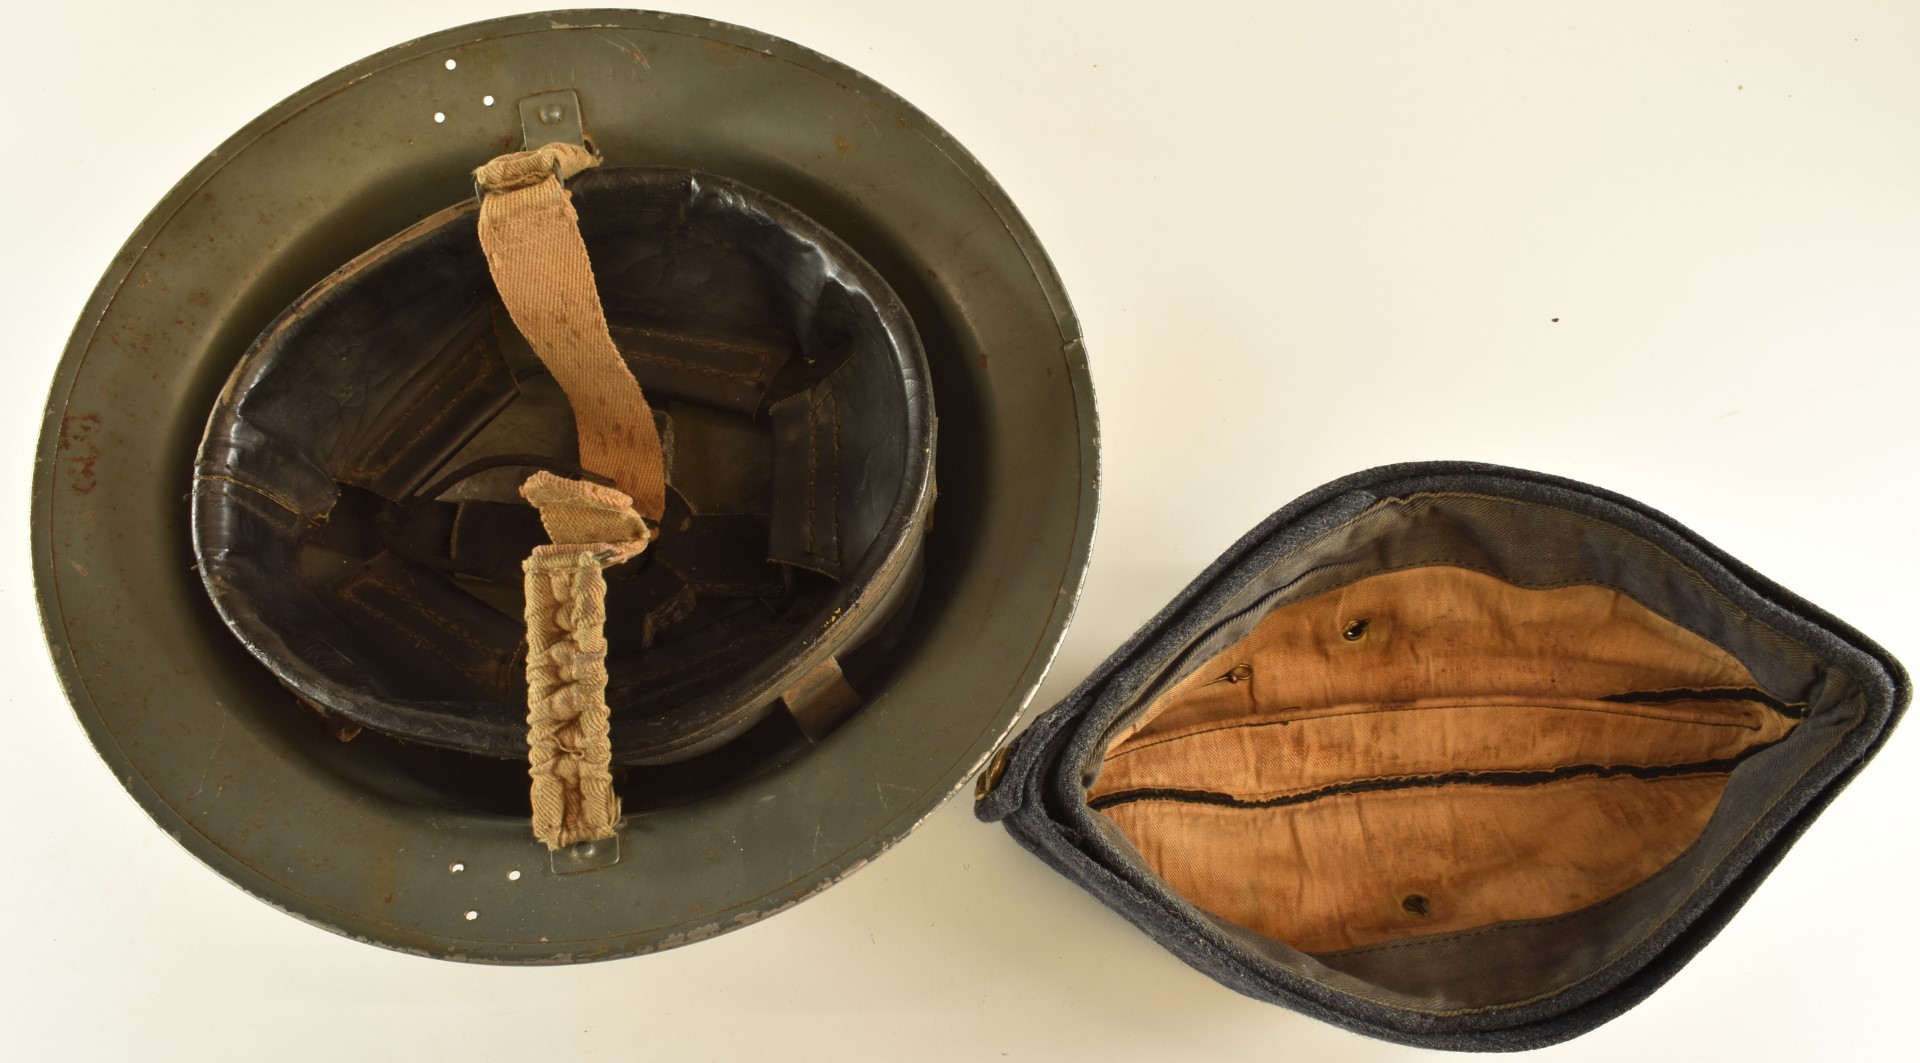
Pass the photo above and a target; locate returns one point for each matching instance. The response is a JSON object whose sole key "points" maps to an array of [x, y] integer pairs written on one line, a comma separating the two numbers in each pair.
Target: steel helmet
{"points": [[877, 228]]}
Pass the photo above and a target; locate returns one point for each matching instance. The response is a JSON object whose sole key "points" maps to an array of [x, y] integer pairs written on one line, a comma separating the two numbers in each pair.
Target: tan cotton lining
{"points": [[1480, 753]]}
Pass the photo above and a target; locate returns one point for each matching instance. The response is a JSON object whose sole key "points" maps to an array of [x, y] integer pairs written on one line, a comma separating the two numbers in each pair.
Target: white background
{"points": [[1302, 240]]}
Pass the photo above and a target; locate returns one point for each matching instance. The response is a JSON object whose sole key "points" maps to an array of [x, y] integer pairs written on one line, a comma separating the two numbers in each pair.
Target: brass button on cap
{"points": [[991, 777]]}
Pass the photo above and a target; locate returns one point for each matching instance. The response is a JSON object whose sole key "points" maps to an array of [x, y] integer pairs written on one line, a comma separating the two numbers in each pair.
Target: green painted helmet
{"points": [[775, 272]]}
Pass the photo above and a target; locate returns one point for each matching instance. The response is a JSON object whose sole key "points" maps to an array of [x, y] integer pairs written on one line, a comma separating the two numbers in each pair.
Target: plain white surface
{"points": [[1302, 240]]}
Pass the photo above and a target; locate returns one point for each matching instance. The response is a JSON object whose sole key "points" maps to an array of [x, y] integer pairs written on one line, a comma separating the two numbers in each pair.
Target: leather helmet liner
{"points": [[354, 509]]}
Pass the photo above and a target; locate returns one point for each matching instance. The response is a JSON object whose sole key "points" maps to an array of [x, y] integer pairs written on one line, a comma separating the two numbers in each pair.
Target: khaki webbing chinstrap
{"points": [[531, 237], [570, 755], [578, 513]]}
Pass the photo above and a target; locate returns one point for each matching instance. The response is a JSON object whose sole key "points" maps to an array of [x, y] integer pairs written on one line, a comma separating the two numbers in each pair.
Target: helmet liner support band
{"points": [[530, 235]]}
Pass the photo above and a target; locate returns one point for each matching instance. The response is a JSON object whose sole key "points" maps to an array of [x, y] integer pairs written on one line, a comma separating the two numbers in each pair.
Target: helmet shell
{"points": [[357, 838]]}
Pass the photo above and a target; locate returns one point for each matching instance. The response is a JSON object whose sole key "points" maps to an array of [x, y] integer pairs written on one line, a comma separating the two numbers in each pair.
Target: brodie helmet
{"points": [[432, 502]]}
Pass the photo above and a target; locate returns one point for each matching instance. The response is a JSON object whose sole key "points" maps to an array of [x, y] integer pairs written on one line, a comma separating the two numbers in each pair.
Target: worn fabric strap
{"points": [[531, 238], [569, 754]]}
